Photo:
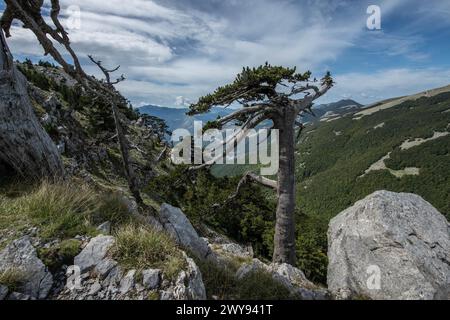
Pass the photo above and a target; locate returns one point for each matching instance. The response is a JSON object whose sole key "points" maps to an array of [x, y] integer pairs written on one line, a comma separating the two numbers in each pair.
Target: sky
{"points": [[174, 51]]}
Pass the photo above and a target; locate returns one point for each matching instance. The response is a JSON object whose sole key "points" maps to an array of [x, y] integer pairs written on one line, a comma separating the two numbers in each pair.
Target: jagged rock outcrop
{"points": [[25, 148], [20, 256], [3, 292], [389, 246], [102, 278], [188, 285], [180, 228]]}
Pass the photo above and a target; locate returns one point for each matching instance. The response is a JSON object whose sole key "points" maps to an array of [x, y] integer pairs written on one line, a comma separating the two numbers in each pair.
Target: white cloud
{"points": [[366, 88], [181, 101], [186, 48]]}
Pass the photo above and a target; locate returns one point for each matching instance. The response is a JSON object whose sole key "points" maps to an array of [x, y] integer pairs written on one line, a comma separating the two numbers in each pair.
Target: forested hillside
{"points": [[334, 157], [340, 162]]}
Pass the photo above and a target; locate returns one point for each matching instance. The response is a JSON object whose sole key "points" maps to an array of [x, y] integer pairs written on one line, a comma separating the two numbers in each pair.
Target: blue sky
{"points": [[173, 51]]}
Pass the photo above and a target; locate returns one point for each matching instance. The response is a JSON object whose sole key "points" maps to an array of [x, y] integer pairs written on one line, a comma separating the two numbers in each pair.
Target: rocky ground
{"points": [[399, 235]]}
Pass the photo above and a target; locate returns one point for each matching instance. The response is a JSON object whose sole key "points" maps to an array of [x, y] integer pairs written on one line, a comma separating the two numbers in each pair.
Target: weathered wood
{"points": [[25, 147], [284, 239]]}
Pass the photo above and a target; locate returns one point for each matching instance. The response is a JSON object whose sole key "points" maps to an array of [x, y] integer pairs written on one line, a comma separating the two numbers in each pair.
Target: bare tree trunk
{"points": [[25, 147], [125, 151], [284, 240]]}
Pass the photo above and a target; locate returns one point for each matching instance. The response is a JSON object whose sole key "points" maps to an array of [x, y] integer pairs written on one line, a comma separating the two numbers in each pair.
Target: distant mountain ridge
{"points": [[177, 117], [333, 110]]}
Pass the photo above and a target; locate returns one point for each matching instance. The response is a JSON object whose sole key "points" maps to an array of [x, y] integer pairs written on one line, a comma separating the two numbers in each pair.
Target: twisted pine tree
{"points": [[281, 95]]}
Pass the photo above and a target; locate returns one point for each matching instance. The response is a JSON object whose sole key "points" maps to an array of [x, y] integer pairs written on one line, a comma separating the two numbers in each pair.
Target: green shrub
{"points": [[113, 208], [219, 281], [248, 218], [141, 247], [312, 247], [61, 254], [260, 285]]}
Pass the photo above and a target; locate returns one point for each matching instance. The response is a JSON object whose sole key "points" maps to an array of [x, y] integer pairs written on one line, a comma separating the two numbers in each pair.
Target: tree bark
{"points": [[25, 147], [284, 240], [125, 151]]}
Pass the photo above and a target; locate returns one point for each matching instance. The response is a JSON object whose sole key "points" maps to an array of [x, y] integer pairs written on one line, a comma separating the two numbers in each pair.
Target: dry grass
{"points": [[141, 247], [12, 279], [61, 210]]}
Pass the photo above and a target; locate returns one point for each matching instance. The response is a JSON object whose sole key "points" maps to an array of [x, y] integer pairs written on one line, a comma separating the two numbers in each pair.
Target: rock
{"points": [[52, 104], [95, 288], [113, 278], [289, 275], [104, 267], [20, 255], [95, 251], [254, 266], [296, 282], [151, 278], [105, 228], [179, 227], [237, 250], [18, 296], [166, 295], [127, 282], [189, 284], [389, 246], [3, 292], [293, 279]]}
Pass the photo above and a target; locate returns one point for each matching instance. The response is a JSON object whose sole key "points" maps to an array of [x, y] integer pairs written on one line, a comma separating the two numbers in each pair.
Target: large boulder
{"points": [[389, 246], [179, 227], [20, 255]]}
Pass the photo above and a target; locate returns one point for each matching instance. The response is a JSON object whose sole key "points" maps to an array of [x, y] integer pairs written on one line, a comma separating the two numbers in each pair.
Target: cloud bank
{"points": [[172, 52]]}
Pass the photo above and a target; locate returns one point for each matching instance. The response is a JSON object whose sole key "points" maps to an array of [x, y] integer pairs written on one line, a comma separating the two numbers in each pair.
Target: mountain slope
{"points": [[404, 148], [345, 160], [332, 111]]}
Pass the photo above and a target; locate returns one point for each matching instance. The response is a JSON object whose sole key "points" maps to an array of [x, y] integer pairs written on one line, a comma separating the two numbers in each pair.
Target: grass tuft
{"points": [[59, 210], [141, 247], [62, 210], [12, 279]]}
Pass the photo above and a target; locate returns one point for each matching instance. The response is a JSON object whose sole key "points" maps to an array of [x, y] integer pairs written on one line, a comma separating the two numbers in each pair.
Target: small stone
{"points": [[151, 278], [254, 266], [166, 295], [105, 228], [3, 292], [127, 282], [104, 267], [96, 287], [18, 296]]}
